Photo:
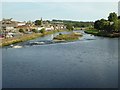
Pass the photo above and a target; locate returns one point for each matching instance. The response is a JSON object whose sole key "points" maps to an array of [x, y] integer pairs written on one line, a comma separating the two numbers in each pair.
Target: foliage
{"points": [[48, 21], [34, 30], [104, 34], [114, 26], [60, 33], [69, 26], [119, 25], [112, 17], [76, 24], [38, 22], [92, 31], [42, 30], [21, 30], [67, 37], [110, 25], [102, 24]]}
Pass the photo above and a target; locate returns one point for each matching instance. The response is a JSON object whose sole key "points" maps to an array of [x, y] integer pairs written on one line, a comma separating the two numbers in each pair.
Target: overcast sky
{"points": [[80, 11], [60, 0]]}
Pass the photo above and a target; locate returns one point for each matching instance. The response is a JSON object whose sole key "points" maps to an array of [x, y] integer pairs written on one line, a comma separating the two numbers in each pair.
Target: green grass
{"points": [[25, 37], [8, 41], [92, 31], [67, 37]]}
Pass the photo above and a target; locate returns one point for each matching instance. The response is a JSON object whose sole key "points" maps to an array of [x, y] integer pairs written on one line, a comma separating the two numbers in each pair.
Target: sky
{"points": [[60, 0], [77, 11], [119, 8]]}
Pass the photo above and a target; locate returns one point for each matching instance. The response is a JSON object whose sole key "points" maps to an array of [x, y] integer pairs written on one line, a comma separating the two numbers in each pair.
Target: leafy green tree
{"points": [[60, 33], [119, 25], [38, 22], [115, 26], [42, 30], [97, 24], [69, 26], [83, 25], [101, 24], [21, 30], [112, 17], [110, 25], [34, 30], [48, 21], [76, 24]]}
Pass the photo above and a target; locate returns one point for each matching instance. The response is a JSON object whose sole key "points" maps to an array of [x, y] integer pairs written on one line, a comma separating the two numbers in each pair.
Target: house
{"points": [[39, 28], [8, 25], [21, 23], [52, 25], [58, 25]]}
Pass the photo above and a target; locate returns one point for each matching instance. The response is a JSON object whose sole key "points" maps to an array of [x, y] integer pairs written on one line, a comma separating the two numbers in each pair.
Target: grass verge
{"points": [[25, 37], [102, 33]]}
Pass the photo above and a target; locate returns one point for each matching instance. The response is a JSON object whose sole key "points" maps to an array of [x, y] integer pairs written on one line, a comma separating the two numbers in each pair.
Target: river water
{"points": [[91, 62]]}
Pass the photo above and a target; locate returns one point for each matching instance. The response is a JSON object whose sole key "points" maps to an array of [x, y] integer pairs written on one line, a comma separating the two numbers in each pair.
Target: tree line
{"points": [[112, 24], [75, 23]]}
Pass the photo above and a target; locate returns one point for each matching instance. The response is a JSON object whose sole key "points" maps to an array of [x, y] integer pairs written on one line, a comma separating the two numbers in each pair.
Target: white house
{"points": [[49, 28], [39, 28], [21, 23]]}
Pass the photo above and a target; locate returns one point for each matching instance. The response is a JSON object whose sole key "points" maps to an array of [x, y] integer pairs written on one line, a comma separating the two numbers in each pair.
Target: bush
{"points": [[60, 33], [34, 30], [42, 30], [21, 30], [69, 26]]}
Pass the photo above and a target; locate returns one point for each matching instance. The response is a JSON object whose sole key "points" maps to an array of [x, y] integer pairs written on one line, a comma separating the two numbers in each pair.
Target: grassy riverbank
{"points": [[25, 37], [104, 34], [67, 37]]}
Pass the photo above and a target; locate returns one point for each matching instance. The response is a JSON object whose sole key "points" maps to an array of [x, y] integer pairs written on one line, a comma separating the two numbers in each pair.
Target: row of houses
{"points": [[9, 24], [12, 26]]}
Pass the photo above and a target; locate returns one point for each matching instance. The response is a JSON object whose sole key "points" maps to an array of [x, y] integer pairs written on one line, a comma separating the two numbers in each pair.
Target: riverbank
{"points": [[25, 37], [103, 34], [68, 37]]}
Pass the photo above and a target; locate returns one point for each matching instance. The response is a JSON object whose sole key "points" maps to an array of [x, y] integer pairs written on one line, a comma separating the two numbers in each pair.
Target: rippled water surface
{"points": [[83, 63]]}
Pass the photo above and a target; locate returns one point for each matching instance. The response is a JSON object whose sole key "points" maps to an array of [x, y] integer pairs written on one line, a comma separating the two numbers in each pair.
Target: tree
{"points": [[21, 30], [69, 27], [34, 30], [112, 17], [60, 33], [42, 30], [97, 24], [101, 24], [110, 25], [38, 22], [115, 26], [48, 21], [119, 25], [106, 26]]}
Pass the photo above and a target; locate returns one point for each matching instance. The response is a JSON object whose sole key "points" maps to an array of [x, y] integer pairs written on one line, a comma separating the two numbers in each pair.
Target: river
{"points": [[85, 63]]}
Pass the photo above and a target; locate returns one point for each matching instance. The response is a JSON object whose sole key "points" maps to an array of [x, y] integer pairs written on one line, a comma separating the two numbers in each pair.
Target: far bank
{"points": [[25, 37], [103, 33]]}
